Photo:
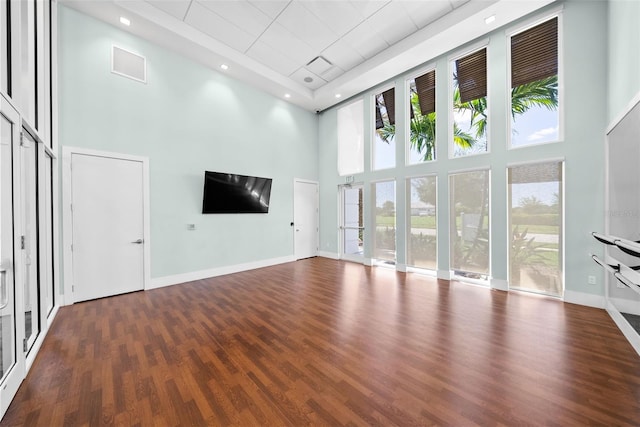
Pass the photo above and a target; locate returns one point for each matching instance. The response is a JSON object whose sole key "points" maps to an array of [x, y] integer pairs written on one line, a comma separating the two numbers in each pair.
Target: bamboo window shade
{"points": [[388, 99], [472, 75], [534, 53], [426, 89]]}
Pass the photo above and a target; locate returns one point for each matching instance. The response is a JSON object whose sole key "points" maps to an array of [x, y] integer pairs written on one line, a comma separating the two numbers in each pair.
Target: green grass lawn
{"points": [[430, 222]]}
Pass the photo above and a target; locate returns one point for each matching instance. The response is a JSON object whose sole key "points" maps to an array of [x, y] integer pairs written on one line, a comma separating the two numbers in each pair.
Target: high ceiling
{"points": [[313, 53]]}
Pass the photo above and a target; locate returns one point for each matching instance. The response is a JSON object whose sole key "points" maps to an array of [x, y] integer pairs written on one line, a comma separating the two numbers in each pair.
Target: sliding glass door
{"points": [[12, 361], [352, 226]]}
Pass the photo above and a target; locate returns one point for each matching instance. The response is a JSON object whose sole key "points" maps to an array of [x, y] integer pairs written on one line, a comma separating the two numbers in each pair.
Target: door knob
{"points": [[138, 242]]}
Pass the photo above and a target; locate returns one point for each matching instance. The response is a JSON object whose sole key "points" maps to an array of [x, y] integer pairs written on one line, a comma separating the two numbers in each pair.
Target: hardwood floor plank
{"points": [[324, 342]]}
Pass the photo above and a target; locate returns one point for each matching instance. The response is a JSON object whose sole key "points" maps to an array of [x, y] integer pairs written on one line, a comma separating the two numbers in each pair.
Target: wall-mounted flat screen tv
{"points": [[233, 193]]}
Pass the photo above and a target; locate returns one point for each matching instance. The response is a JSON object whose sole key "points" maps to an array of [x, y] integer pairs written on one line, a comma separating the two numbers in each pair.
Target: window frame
{"points": [[408, 215], [407, 106], [486, 281], [515, 30], [361, 163], [372, 113], [482, 44]]}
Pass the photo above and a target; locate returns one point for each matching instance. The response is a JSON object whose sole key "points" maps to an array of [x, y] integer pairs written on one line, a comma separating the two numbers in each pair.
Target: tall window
{"points": [[422, 113], [469, 210], [5, 48], [534, 85], [384, 137], [351, 139], [535, 219], [470, 109], [384, 247], [422, 235]]}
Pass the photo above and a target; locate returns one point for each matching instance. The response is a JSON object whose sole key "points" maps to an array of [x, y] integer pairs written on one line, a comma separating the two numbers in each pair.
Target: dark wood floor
{"points": [[322, 342]]}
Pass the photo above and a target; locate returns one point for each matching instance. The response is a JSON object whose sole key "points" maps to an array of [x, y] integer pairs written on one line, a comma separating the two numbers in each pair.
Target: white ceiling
{"points": [[310, 50]]}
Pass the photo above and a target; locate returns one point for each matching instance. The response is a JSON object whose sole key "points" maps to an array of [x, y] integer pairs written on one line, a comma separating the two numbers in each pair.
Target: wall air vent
{"points": [[128, 64]]}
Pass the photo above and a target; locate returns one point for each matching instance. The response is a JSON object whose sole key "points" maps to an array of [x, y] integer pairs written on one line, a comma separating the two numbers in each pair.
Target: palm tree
{"points": [[423, 132], [541, 93]]}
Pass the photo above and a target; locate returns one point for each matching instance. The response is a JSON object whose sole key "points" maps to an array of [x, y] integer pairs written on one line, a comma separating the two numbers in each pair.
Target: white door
{"points": [[107, 197], [305, 219], [12, 358]]}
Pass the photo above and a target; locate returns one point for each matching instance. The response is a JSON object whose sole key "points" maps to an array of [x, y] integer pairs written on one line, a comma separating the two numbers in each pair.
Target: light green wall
{"points": [[584, 43], [186, 119], [624, 55]]}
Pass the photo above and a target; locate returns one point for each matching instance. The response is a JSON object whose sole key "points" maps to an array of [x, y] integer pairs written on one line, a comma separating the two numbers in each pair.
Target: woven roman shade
{"points": [[388, 97], [472, 75], [390, 103], [426, 89], [534, 53]]}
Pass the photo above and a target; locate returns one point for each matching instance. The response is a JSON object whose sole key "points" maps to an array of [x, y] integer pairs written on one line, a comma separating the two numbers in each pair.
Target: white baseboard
{"points": [[160, 282], [331, 255], [499, 284], [630, 334], [626, 306], [445, 274], [581, 298], [401, 268]]}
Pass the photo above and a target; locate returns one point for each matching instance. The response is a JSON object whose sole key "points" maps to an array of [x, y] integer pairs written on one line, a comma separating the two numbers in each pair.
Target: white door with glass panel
{"points": [[108, 226], [29, 239], [352, 227], [12, 319]]}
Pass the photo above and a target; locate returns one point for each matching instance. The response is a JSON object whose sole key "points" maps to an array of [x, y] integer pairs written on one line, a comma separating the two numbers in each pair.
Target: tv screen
{"points": [[233, 193]]}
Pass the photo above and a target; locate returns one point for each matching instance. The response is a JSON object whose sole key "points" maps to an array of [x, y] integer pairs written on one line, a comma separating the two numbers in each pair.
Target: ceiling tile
{"points": [[306, 26], [424, 13], [392, 23], [272, 58], [333, 73], [288, 44], [240, 13], [458, 3], [212, 24], [339, 16], [343, 55], [365, 40], [271, 8], [302, 73], [176, 8], [366, 8]]}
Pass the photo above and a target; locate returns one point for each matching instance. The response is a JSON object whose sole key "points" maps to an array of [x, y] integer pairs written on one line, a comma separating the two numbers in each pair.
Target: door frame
{"points": [[67, 223], [18, 370], [317, 200], [341, 254]]}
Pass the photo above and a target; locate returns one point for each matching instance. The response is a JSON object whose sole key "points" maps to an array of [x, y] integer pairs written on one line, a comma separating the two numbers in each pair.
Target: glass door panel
{"points": [[30, 240], [11, 320], [422, 236], [384, 246], [535, 218], [352, 225], [469, 210]]}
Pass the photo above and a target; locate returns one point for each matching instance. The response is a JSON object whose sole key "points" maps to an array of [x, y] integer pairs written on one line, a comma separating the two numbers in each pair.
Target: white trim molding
{"points": [[330, 255], [499, 284], [160, 282], [581, 298]]}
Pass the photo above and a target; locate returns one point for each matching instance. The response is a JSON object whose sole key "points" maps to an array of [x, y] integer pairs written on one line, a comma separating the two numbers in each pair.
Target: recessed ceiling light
{"points": [[488, 20], [338, 95], [125, 21], [286, 95], [224, 66]]}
